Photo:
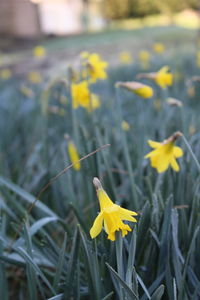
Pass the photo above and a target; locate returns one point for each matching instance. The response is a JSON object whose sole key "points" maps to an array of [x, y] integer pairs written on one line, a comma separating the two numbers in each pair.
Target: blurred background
{"points": [[67, 27]]}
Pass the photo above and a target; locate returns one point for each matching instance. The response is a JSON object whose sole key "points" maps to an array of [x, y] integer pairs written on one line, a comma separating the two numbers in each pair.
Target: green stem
{"points": [[119, 247], [126, 152], [191, 152]]}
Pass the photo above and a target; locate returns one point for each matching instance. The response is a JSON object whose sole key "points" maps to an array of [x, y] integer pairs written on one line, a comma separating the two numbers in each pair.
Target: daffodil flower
{"points": [[125, 57], [111, 216], [158, 48], [163, 77], [164, 154], [96, 68], [73, 154], [39, 51], [140, 89], [81, 96]]}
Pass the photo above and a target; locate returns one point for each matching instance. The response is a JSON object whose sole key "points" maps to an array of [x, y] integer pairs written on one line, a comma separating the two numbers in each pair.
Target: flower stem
{"points": [[191, 152], [119, 247]]}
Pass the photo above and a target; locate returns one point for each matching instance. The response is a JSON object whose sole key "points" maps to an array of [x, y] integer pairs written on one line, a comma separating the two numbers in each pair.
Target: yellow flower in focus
{"points": [[34, 77], [111, 216], [158, 48], [163, 78], [125, 126], [138, 88], [74, 156], [125, 57], [96, 67], [80, 94], [164, 154], [5, 74], [39, 51]]}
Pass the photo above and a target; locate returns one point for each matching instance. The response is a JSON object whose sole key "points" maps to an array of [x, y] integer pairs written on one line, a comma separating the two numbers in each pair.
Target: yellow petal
{"points": [[162, 164], [126, 214], [104, 200], [174, 165], [153, 144], [97, 226], [177, 151]]}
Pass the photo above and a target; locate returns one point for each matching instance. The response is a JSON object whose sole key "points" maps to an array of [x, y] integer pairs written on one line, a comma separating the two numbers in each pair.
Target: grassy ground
{"points": [[62, 51], [47, 252]]}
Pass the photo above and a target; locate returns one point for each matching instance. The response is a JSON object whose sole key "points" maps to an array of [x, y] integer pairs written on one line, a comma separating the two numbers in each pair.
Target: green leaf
{"points": [[158, 293], [127, 289]]}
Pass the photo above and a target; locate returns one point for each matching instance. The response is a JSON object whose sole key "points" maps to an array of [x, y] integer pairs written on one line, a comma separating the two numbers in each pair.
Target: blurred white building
{"points": [[31, 18]]}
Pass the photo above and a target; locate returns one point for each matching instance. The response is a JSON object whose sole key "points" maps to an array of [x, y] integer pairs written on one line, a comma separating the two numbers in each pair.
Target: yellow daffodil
{"points": [[111, 216], [96, 68], [163, 77], [73, 155], [138, 88], [5, 74], [164, 154], [80, 94], [39, 51], [158, 48], [144, 57], [34, 77], [125, 57], [125, 126], [95, 103]]}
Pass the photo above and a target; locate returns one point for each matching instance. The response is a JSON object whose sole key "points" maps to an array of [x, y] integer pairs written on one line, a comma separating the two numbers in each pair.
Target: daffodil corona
{"points": [[111, 215], [164, 154]]}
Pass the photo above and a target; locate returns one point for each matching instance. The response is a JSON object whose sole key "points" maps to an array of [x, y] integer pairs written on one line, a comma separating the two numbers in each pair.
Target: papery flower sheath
{"points": [[111, 215], [164, 154]]}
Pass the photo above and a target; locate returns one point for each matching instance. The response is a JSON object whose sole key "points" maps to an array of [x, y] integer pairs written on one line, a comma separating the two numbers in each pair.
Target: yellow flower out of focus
{"points": [[163, 77], [74, 156], [95, 103], [5, 74], [96, 67], [144, 57], [81, 96], [34, 77], [125, 126], [164, 154], [125, 57], [158, 48], [111, 216], [39, 51], [140, 89]]}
